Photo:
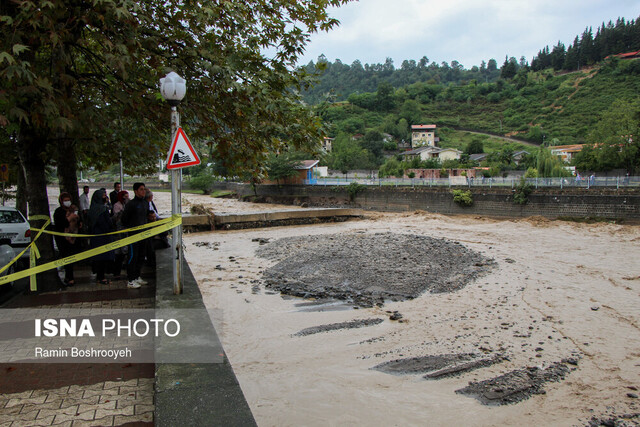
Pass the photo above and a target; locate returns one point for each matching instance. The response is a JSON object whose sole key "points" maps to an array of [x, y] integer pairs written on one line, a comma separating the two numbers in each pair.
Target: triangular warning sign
{"points": [[181, 153]]}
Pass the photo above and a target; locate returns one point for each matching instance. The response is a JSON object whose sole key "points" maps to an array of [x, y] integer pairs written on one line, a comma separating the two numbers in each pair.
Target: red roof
{"points": [[421, 127], [625, 55]]}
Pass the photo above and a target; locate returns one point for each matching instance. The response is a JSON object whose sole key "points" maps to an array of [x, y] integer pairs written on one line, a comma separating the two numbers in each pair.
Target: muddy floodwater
{"points": [[437, 320]]}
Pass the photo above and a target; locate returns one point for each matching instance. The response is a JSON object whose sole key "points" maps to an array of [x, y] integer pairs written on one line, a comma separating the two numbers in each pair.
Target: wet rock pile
{"points": [[517, 385], [422, 364], [369, 268], [358, 323]]}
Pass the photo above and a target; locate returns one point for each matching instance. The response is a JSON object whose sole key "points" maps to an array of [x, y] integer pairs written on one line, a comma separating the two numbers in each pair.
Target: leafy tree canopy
{"points": [[89, 70]]}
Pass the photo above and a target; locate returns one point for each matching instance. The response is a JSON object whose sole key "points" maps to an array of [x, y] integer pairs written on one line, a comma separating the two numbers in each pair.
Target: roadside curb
{"points": [[194, 394]]}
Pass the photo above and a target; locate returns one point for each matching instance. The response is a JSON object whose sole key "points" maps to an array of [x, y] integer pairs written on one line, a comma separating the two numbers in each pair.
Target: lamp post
{"points": [[173, 88]]}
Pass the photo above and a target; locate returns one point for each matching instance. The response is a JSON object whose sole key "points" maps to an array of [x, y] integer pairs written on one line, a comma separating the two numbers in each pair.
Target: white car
{"points": [[6, 255], [16, 228]]}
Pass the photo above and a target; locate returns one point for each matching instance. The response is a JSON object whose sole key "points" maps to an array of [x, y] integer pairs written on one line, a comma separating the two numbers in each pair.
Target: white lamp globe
{"points": [[173, 88]]}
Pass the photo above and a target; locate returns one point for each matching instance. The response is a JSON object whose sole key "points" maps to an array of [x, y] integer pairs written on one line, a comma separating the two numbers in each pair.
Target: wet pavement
{"points": [[80, 394]]}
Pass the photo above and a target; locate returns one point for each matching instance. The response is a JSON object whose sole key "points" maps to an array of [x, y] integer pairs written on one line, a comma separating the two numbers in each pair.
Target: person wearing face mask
{"points": [[107, 202], [60, 224]]}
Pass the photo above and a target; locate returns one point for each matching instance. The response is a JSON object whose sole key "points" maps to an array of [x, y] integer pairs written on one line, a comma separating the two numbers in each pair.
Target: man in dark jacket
{"points": [[135, 214], [113, 196]]}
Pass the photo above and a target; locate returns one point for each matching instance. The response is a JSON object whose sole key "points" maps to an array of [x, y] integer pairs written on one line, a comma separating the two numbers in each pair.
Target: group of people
{"points": [[99, 217]]}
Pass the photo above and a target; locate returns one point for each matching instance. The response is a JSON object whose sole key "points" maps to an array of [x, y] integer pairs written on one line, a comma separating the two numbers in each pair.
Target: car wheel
{"points": [[9, 285]]}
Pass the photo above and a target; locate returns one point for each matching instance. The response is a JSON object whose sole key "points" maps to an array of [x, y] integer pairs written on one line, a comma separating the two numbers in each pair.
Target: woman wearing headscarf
{"points": [[100, 223], [120, 253], [60, 224]]}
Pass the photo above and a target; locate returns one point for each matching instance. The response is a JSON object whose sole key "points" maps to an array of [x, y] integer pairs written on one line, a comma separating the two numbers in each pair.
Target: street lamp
{"points": [[173, 88]]}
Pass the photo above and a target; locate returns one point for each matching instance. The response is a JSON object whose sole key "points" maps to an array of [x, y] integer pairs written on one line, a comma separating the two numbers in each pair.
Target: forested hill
{"points": [[338, 80], [538, 106]]}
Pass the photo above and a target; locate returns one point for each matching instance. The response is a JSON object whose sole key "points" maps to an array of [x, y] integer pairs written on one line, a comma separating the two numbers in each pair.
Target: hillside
{"points": [[538, 106]]}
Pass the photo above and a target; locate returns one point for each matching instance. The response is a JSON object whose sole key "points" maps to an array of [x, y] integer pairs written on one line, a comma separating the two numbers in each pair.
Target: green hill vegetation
{"points": [[542, 104]]}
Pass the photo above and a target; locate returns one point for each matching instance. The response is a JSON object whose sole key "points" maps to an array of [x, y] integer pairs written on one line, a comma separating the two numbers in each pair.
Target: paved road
{"points": [[505, 138]]}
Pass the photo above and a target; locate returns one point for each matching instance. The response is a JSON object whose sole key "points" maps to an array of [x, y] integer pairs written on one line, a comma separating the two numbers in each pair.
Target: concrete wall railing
{"points": [[622, 204]]}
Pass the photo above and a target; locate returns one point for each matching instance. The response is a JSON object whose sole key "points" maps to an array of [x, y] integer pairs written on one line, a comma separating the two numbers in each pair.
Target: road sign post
{"points": [[181, 155]]}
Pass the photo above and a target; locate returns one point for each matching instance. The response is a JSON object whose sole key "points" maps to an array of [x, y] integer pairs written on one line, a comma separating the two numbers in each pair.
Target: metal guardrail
{"points": [[510, 182]]}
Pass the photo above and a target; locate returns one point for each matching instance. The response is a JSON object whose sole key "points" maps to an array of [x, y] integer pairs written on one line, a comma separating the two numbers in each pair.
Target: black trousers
{"points": [[135, 260]]}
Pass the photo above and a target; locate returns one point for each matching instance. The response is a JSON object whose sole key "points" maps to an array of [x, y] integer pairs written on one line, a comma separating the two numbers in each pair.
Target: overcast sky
{"points": [[464, 30]]}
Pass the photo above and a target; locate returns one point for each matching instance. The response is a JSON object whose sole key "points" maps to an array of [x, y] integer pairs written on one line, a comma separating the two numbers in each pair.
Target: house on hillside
{"points": [[327, 143], [404, 145], [566, 152], [423, 135], [518, 156], [429, 152], [478, 157]]}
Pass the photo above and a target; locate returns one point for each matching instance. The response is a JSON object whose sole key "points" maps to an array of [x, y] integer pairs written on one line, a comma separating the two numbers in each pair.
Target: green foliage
{"points": [[66, 73], [347, 154], [562, 107], [390, 146], [462, 197], [280, 167], [475, 146], [391, 168], [372, 142], [521, 192], [587, 49], [549, 165], [615, 144], [531, 173], [202, 181], [354, 189]]}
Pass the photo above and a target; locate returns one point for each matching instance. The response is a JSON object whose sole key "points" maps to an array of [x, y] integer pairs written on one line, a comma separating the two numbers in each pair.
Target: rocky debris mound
{"points": [[261, 240], [423, 364], [369, 268], [214, 246], [624, 420], [517, 385], [463, 368], [353, 324]]}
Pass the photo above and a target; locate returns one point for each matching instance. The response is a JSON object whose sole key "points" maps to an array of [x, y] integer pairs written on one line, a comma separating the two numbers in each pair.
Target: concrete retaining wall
{"points": [[496, 202]]}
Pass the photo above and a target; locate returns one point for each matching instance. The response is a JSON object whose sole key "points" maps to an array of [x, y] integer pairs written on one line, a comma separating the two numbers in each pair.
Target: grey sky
{"points": [[464, 30]]}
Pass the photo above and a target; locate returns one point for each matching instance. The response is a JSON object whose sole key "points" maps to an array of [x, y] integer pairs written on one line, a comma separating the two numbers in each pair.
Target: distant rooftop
{"points": [[306, 164], [423, 127], [567, 148]]}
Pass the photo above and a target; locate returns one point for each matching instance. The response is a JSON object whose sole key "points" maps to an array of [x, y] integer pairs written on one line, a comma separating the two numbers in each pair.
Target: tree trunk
{"points": [[67, 169], [21, 192], [31, 149]]}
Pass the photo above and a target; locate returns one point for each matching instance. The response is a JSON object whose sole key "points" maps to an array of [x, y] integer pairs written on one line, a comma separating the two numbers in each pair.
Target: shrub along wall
{"points": [[550, 203]]}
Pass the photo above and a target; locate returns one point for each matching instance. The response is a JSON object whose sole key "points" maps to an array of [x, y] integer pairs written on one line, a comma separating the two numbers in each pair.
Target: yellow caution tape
{"points": [[33, 255], [137, 228], [17, 257], [172, 223]]}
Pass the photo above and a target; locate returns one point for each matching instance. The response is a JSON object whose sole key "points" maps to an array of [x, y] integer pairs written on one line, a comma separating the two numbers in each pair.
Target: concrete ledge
{"points": [[194, 394], [269, 218], [223, 219]]}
